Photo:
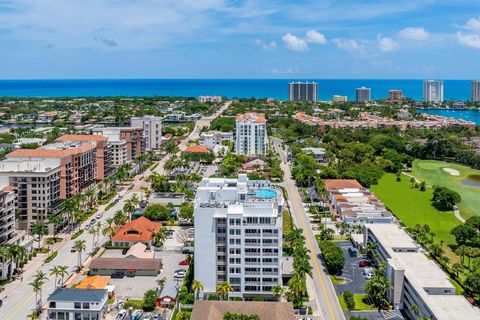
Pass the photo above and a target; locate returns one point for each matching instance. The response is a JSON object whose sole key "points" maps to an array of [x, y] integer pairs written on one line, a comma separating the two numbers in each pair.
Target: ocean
{"points": [[231, 88]]}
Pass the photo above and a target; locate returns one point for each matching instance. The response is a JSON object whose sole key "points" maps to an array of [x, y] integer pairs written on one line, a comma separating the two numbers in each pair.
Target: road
{"points": [[20, 302], [326, 299], [194, 135]]}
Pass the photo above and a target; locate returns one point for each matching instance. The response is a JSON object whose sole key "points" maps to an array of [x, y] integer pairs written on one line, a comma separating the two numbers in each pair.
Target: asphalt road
{"points": [[326, 299], [21, 302]]}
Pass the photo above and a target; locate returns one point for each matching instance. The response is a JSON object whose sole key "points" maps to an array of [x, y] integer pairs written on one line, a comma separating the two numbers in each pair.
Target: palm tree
{"points": [[412, 182], [457, 268], [109, 231], [98, 229], [93, 232], [297, 285], [415, 309], [161, 283], [278, 291], [119, 218], [224, 289], [55, 220], [39, 229], [90, 197], [197, 286], [39, 280], [79, 245], [37, 288], [55, 271], [135, 200], [16, 253], [63, 271], [69, 206], [129, 208]]}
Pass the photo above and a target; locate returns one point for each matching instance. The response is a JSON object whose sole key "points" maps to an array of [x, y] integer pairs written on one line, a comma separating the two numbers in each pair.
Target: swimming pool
{"points": [[265, 193]]}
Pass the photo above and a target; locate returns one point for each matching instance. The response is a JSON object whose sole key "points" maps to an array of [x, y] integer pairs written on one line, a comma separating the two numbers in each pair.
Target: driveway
{"points": [[351, 272]]}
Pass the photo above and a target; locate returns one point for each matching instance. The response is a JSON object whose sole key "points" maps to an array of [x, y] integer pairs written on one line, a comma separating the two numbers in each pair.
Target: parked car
{"points": [[137, 315], [117, 275], [364, 263], [352, 252], [124, 251], [183, 263], [148, 316], [180, 274], [368, 276], [187, 250], [121, 315], [156, 317]]}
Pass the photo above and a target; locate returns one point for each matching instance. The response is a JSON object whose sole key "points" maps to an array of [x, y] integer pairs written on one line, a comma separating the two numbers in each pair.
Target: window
{"points": [[86, 305], [77, 305], [235, 232]]}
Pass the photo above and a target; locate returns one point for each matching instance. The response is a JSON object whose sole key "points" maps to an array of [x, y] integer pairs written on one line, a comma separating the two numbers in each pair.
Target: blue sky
{"points": [[51, 39]]}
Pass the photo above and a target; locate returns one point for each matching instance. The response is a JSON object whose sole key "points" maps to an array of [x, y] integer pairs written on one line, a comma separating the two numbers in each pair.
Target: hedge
{"points": [[51, 257]]}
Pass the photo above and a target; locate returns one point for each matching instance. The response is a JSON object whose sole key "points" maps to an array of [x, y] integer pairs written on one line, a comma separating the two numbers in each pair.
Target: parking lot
{"points": [[353, 274]]}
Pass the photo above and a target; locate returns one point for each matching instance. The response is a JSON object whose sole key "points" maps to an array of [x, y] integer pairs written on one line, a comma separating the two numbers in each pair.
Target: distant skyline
{"points": [[191, 39]]}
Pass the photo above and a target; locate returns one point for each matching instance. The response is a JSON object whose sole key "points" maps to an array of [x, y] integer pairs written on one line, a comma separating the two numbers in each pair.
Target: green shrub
{"points": [[77, 234], [135, 304], [51, 257]]}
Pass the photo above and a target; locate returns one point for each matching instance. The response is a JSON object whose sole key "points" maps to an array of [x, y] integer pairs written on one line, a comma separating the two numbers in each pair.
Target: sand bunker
{"points": [[451, 171]]}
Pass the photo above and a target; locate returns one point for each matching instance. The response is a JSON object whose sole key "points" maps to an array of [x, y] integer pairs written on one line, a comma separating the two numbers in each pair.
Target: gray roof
{"points": [[78, 295], [169, 289]]}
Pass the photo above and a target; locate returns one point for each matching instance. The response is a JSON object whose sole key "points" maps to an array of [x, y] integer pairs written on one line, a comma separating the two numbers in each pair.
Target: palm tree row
{"points": [[13, 252]]}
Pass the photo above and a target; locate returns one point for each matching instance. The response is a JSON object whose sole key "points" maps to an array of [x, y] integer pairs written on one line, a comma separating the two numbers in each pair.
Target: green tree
{"points": [[119, 218], [376, 288], [79, 246], [197, 287], [157, 212], [55, 220], [349, 300], [149, 299], [186, 211], [240, 316], [472, 284], [444, 198], [39, 229], [278, 291]]}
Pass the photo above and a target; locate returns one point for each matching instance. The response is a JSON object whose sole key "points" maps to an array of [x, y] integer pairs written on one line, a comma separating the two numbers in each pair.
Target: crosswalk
{"points": [[392, 314]]}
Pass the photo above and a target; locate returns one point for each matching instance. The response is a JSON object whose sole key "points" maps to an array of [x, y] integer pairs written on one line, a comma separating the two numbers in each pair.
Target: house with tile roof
{"points": [[215, 310], [139, 230]]}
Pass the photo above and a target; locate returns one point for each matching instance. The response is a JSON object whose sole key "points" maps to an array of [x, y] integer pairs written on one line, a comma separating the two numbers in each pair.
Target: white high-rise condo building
{"points": [[251, 134], [476, 90], [363, 94], [152, 130], [238, 235], [303, 91], [432, 91]]}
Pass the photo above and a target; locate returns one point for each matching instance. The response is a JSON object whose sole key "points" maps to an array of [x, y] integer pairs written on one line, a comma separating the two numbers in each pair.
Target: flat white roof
{"points": [[422, 273]]}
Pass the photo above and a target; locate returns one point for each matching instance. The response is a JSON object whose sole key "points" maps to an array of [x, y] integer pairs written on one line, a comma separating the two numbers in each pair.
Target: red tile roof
{"points": [[141, 229], [256, 117], [197, 149], [331, 184], [81, 137], [50, 153]]}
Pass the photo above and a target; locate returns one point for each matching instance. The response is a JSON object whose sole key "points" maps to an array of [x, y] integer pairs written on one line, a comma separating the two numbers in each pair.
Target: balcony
{"points": [[252, 273], [253, 254], [253, 235]]}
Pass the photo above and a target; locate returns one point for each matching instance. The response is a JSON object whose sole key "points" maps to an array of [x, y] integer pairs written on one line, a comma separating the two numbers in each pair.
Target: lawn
{"points": [[359, 304], [432, 173], [413, 206], [336, 280]]}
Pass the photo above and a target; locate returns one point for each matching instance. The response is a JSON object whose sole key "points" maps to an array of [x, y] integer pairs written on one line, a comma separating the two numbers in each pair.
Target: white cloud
{"points": [[348, 44], [473, 24], [386, 44], [285, 71], [294, 43], [414, 33], [268, 46], [312, 36], [469, 40]]}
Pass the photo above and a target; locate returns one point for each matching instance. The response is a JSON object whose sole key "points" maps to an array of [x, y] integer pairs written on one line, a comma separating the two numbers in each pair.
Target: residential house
{"points": [[215, 310], [139, 230], [73, 303]]}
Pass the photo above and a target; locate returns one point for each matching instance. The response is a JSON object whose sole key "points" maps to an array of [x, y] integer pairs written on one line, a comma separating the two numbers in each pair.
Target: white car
{"points": [[121, 315], [99, 215], [368, 276]]}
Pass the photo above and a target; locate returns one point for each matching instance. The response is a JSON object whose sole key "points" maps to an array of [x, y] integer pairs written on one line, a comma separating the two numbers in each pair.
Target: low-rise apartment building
{"points": [[103, 151], [238, 235], [416, 279], [132, 136], [152, 130], [355, 204], [71, 303], [214, 138]]}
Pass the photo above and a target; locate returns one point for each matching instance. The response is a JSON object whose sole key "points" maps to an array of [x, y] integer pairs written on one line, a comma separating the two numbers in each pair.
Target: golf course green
{"points": [[456, 177], [412, 206]]}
